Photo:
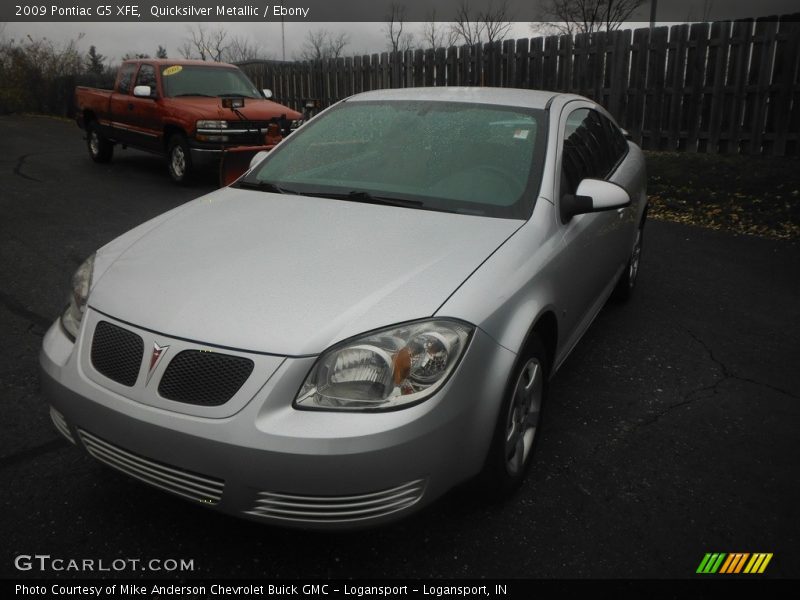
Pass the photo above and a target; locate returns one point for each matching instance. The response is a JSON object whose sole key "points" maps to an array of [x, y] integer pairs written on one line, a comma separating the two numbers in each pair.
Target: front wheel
{"points": [[627, 280], [100, 149], [179, 159], [517, 427]]}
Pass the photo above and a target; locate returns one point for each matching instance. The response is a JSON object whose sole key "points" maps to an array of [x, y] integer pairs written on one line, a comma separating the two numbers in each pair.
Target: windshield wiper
{"points": [[362, 196], [264, 186]]}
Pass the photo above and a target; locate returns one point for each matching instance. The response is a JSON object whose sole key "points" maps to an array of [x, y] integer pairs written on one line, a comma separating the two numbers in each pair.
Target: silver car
{"points": [[365, 319]]}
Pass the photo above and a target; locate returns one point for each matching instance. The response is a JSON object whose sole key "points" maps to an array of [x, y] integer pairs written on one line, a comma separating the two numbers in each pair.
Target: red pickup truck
{"points": [[189, 111]]}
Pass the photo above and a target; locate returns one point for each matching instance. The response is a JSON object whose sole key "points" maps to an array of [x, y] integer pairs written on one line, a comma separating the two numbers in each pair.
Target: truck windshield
{"points": [[197, 80], [432, 155]]}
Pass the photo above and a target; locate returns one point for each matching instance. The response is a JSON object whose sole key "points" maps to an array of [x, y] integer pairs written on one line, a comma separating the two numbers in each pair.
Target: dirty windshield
{"points": [[191, 80], [449, 156]]}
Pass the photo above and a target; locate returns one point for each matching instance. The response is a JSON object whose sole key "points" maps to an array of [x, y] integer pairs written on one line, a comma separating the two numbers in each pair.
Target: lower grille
{"points": [[333, 509], [117, 353], [61, 424], [194, 486], [204, 378]]}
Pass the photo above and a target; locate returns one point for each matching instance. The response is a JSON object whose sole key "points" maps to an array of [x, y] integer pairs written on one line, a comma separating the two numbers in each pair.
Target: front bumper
{"points": [[264, 460]]}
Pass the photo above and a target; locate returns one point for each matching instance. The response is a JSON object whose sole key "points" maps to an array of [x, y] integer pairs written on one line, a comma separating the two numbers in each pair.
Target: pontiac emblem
{"points": [[155, 358]]}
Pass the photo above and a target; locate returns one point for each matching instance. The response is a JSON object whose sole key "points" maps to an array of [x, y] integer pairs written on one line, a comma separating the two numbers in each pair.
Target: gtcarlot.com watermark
{"points": [[48, 563]]}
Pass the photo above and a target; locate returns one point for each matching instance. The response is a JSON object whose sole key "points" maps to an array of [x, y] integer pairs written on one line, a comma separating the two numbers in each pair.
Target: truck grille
{"points": [[117, 353], [204, 378]]}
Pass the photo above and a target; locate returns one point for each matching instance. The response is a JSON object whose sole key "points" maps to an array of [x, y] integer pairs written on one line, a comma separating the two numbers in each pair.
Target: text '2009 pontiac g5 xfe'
{"points": [[366, 318]]}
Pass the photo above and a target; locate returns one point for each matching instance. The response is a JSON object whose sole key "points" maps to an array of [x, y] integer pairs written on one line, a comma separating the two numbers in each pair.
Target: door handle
{"points": [[130, 105]]}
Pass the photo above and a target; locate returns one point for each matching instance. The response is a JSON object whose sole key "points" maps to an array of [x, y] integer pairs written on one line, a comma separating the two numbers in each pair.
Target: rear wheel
{"points": [[179, 158], [100, 149], [517, 427]]}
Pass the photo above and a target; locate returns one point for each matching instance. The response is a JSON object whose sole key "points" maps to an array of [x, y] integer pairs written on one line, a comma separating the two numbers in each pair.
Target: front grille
{"points": [[194, 486], [117, 353], [204, 378], [336, 509]]}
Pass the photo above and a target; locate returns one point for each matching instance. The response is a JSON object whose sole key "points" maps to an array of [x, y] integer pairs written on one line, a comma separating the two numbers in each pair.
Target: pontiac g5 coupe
{"points": [[366, 318]]}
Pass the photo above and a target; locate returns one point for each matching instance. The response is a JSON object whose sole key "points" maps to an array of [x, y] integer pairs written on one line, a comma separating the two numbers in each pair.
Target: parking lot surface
{"points": [[671, 431]]}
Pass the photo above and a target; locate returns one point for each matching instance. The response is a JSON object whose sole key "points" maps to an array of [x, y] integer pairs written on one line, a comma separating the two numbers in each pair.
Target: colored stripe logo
{"points": [[734, 563]]}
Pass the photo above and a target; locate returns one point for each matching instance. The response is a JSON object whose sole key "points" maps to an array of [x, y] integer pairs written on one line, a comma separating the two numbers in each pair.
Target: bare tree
{"points": [[491, 23], [436, 35], [204, 44], [242, 48], [321, 44], [395, 20], [161, 52], [588, 16]]}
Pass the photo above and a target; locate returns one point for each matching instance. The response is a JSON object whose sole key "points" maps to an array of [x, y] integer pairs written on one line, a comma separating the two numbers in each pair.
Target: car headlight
{"points": [[81, 283], [207, 124], [387, 369]]}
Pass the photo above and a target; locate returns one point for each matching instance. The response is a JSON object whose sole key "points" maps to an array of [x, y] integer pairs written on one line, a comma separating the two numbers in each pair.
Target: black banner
{"points": [[357, 10]]}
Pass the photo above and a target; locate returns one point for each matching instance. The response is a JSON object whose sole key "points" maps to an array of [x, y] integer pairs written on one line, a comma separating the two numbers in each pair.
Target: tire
{"points": [[100, 149], [518, 424], [627, 281], [179, 159]]}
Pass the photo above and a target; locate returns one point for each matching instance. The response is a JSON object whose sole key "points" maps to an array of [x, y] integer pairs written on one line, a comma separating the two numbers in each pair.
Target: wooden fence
{"points": [[724, 87]]}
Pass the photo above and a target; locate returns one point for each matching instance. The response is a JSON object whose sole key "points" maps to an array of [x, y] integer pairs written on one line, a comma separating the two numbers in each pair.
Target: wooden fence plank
{"points": [[717, 60], [618, 75], [656, 63], [695, 79], [736, 81], [536, 64], [675, 78], [522, 64]]}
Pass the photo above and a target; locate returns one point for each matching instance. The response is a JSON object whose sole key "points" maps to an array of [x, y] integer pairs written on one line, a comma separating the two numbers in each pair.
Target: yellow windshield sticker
{"points": [[172, 70]]}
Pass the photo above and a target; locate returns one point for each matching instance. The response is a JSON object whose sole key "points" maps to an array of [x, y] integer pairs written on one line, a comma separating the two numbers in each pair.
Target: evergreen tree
{"points": [[94, 61]]}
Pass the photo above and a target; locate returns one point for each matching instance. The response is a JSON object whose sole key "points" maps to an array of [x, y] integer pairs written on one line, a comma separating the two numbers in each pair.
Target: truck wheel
{"points": [[100, 149], [179, 159]]}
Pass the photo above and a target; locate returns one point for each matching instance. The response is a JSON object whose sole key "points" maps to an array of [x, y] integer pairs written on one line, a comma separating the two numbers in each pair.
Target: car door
{"points": [[144, 113], [120, 101], [592, 243]]}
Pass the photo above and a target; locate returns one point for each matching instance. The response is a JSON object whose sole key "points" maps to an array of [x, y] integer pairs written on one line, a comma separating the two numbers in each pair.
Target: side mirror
{"points": [[142, 91], [593, 195], [259, 156], [626, 134], [267, 93]]}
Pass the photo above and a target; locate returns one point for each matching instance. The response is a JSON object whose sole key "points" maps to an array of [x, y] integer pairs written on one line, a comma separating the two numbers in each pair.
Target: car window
{"points": [[450, 156], [125, 78], [616, 139], [147, 76], [589, 149]]}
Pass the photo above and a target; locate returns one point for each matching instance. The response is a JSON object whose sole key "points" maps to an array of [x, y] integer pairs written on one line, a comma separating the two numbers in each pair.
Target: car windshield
{"points": [[447, 156], [197, 80]]}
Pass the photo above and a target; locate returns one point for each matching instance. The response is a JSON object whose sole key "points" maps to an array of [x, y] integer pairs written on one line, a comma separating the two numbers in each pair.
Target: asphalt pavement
{"points": [[672, 430]]}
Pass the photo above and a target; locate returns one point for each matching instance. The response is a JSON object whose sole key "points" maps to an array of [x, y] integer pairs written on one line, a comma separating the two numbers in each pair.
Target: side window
{"points": [[588, 149], [147, 76], [125, 78], [616, 139]]}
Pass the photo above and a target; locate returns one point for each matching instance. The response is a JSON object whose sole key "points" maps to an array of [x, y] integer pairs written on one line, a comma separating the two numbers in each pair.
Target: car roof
{"points": [[477, 95]]}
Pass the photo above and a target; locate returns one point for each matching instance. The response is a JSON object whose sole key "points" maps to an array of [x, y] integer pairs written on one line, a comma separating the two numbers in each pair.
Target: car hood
{"points": [[286, 274]]}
